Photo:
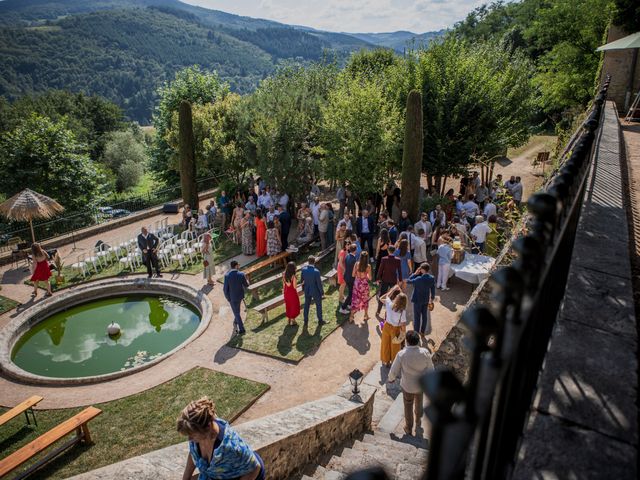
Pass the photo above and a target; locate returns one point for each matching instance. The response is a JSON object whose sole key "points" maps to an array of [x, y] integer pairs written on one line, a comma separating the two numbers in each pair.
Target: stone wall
{"points": [[617, 63], [286, 441]]}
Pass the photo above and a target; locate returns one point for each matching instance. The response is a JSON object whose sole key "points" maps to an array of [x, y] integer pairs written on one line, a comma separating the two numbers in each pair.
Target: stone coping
{"points": [[85, 293], [286, 441]]}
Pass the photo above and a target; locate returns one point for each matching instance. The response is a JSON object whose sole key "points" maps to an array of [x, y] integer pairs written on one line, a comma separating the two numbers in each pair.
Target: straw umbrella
{"points": [[28, 206]]}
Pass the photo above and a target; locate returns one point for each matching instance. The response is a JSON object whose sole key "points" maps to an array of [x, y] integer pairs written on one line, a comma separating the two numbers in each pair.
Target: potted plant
{"points": [[59, 264]]}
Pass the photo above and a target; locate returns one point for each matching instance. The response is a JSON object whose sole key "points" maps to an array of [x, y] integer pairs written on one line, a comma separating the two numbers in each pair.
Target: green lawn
{"points": [[6, 304], [137, 424], [72, 277], [276, 339]]}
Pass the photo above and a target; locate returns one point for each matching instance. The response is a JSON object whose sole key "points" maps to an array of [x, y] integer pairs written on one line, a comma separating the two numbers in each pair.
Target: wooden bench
{"points": [[275, 302], [77, 422], [25, 407], [281, 257]]}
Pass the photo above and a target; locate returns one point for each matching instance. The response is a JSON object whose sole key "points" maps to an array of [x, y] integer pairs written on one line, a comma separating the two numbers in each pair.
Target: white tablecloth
{"points": [[473, 269]]}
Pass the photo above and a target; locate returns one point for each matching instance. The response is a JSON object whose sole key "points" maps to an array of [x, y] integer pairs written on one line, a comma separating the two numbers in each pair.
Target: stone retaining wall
{"points": [[286, 441]]}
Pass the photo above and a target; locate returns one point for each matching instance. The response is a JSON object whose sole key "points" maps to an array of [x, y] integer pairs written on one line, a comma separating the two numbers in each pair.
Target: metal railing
{"points": [[476, 427], [96, 214]]}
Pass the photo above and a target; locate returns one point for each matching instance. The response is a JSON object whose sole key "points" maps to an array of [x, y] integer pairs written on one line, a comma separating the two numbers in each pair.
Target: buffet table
{"points": [[473, 269]]}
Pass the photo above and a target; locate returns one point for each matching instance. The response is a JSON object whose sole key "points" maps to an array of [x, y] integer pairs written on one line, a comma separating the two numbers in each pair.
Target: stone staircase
{"points": [[402, 457]]}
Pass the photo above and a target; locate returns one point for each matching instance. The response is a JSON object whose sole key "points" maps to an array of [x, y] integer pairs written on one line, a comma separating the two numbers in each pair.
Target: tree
{"points": [[187, 157], [194, 85], [477, 102], [412, 155], [126, 157], [44, 155], [360, 136], [280, 125]]}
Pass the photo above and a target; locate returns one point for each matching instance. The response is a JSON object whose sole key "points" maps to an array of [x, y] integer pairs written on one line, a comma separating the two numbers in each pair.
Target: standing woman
{"points": [[207, 259], [341, 234], [274, 247], [403, 253], [261, 235], [361, 275], [395, 324], [215, 448], [236, 220], [246, 227], [332, 225], [40, 269], [291, 298], [340, 269], [382, 248]]}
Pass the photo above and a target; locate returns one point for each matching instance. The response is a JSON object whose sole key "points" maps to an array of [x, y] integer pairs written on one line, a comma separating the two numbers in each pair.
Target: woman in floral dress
{"points": [[246, 226], [362, 275], [274, 247]]}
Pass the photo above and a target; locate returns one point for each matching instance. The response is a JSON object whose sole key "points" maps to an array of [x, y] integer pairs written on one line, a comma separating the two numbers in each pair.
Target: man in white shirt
{"points": [[410, 365], [284, 201], [516, 191], [471, 210], [425, 225], [490, 209], [479, 233], [419, 249]]}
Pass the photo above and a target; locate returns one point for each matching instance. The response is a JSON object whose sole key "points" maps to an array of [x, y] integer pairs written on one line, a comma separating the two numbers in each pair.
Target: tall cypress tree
{"points": [[412, 156], [187, 157]]}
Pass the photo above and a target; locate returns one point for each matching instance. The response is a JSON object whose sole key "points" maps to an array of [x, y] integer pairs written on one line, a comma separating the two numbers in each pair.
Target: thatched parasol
{"points": [[28, 206]]}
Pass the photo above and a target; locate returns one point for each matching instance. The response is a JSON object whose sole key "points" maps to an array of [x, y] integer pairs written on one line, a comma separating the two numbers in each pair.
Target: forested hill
{"points": [[124, 49]]}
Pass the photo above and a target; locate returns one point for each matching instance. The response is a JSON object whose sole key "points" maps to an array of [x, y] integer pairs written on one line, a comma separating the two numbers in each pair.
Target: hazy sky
{"points": [[352, 15]]}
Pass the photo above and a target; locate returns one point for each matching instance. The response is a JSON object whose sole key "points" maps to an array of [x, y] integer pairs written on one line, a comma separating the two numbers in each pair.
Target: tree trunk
{"points": [[412, 156], [444, 185], [187, 157]]}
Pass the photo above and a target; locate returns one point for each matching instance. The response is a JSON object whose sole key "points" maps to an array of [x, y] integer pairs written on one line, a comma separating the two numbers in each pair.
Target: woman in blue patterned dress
{"points": [[214, 446]]}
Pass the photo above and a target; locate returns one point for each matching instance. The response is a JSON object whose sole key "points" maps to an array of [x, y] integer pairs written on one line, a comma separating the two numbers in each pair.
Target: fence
{"points": [[476, 427], [95, 215]]}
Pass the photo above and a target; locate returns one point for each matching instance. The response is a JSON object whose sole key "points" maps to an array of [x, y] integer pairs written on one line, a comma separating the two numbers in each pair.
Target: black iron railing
{"points": [[476, 427], [98, 214]]}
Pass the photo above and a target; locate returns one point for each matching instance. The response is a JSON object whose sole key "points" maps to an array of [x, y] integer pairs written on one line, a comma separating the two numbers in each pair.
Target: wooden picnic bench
{"points": [[269, 305], [281, 257], [77, 422], [25, 407]]}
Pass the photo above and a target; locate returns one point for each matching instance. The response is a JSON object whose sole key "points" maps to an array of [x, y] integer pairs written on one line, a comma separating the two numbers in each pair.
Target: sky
{"points": [[354, 16]]}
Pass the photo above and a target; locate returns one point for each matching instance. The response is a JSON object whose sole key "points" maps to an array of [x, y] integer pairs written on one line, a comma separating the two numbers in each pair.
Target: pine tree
{"points": [[187, 157], [412, 156]]}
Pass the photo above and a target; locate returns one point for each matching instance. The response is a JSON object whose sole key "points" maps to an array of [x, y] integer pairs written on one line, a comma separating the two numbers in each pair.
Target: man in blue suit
{"points": [[234, 284], [312, 288], [424, 293], [285, 226], [365, 226]]}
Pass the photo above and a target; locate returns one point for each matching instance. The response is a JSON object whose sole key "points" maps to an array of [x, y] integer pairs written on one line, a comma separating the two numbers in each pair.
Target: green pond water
{"points": [[74, 343]]}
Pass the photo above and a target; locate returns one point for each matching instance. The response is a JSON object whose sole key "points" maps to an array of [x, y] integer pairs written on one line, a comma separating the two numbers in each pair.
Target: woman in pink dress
{"points": [[40, 269], [291, 298], [362, 275], [340, 269]]}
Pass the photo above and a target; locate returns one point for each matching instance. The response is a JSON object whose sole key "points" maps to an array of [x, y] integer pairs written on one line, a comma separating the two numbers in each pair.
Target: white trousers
{"points": [[443, 275]]}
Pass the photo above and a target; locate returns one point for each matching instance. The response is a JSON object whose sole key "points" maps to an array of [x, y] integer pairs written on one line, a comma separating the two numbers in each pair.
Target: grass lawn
{"points": [[134, 425], [6, 304], [72, 277], [276, 339]]}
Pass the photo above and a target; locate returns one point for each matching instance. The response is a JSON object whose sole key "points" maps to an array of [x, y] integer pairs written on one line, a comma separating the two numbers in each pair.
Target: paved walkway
{"points": [[584, 421], [318, 375]]}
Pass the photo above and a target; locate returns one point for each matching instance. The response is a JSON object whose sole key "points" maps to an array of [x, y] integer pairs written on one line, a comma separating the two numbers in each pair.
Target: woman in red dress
{"points": [[261, 235], [291, 298], [40, 269]]}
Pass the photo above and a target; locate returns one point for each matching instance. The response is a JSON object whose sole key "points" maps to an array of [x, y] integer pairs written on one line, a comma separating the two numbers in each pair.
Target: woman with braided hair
{"points": [[214, 446]]}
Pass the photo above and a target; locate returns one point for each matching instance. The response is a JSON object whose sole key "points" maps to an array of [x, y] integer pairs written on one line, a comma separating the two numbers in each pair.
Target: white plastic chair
{"points": [[80, 265], [92, 260], [189, 251], [103, 254]]}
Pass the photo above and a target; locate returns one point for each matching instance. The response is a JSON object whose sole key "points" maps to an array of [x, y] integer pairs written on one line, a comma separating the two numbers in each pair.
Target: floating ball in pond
{"points": [[113, 329]]}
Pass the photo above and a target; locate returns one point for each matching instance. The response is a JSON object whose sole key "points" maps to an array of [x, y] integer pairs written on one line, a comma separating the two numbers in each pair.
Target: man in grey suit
{"points": [[312, 288]]}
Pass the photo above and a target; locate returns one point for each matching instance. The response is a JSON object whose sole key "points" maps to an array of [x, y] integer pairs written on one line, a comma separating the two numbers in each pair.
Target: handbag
{"points": [[431, 306], [399, 338], [206, 263]]}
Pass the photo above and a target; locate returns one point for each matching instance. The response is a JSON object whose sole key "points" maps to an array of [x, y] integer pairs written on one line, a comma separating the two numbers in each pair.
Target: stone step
{"points": [[393, 416], [352, 460], [385, 439], [407, 471], [333, 475], [319, 472], [397, 453]]}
